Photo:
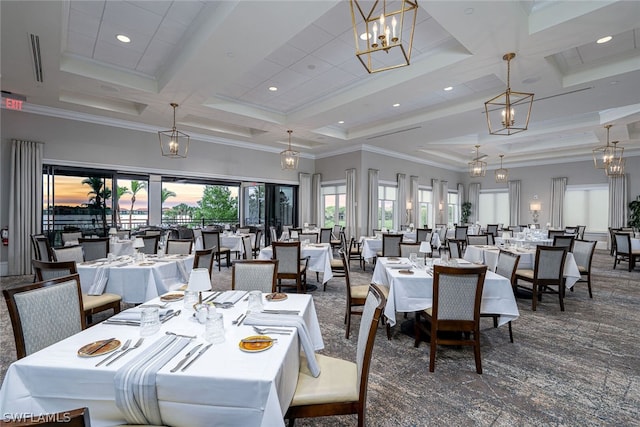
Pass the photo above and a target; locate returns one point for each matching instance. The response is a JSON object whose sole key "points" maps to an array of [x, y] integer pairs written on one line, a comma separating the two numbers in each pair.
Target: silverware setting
{"points": [[276, 331], [239, 320], [122, 353], [214, 295], [200, 353], [171, 316], [281, 311], [186, 357], [124, 347], [103, 345], [180, 335]]}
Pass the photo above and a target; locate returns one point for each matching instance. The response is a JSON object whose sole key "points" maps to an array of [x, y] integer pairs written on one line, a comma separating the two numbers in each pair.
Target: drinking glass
{"points": [[214, 328], [255, 301], [149, 321], [190, 298], [412, 258]]}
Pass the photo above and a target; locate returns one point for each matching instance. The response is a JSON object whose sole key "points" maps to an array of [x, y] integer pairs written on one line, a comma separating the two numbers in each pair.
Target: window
{"points": [[452, 201], [334, 199], [587, 205], [425, 208], [386, 206], [494, 207], [253, 204]]}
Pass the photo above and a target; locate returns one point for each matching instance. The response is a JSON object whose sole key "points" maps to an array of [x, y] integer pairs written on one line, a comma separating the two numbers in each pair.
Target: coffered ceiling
{"points": [[218, 59]]}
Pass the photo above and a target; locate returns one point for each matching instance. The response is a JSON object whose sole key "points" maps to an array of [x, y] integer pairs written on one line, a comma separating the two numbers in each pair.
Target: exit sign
{"points": [[12, 104]]}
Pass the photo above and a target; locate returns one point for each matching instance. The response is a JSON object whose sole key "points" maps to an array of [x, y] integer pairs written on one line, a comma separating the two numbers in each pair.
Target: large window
{"points": [[334, 198], [494, 207], [587, 205], [452, 201], [195, 202], [425, 208], [387, 196]]}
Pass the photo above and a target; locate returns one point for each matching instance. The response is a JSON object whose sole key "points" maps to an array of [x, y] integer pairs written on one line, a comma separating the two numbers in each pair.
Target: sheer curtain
{"points": [[372, 201], [460, 199], [413, 198], [444, 196], [558, 187], [618, 201], [317, 216], [304, 201], [25, 203], [514, 202], [351, 225], [474, 198], [400, 213], [435, 195]]}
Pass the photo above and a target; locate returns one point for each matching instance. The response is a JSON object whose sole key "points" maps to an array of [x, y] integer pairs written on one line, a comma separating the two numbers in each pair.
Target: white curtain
{"points": [[317, 216], [444, 197], [372, 202], [514, 202], [618, 201], [400, 213], [435, 196], [304, 199], [413, 198], [351, 225], [558, 188], [460, 200], [474, 199], [25, 203]]}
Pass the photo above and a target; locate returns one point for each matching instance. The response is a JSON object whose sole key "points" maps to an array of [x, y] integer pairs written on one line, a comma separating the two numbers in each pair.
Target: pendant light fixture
{"points": [[502, 174], [173, 143], [615, 167], [607, 155], [477, 168], [289, 158]]}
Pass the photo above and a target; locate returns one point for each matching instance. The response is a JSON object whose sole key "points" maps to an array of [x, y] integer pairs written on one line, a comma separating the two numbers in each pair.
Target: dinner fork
{"points": [[125, 346], [272, 331], [122, 353]]}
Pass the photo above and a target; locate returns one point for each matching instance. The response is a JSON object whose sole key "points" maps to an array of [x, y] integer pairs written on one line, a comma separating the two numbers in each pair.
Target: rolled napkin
{"points": [[287, 320], [135, 381], [134, 314]]}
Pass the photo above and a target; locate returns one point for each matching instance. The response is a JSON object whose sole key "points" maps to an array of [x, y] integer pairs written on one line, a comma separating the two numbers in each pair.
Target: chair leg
{"points": [[388, 331], [561, 295], [510, 332], [534, 297], [432, 353], [348, 318], [476, 351]]}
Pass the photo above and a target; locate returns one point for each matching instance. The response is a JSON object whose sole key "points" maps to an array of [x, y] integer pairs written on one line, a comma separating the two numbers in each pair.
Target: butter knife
{"points": [[170, 316], [251, 341], [200, 353], [186, 357], [101, 346]]}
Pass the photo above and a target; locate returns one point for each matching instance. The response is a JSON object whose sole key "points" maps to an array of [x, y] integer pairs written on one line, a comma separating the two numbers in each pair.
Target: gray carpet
{"points": [[580, 367]]}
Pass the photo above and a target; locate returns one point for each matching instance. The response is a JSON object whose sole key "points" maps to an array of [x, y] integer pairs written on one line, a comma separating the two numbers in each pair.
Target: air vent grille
{"points": [[37, 59]]}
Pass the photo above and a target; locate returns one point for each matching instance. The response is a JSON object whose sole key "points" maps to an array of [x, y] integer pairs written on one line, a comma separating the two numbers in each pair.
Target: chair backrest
{"points": [[442, 233], [152, 232], [478, 239], [250, 275], [571, 229], [457, 293], [197, 232], [373, 306], [515, 228], [461, 232], [409, 248], [492, 229], [623, 243], [581, 229], [68, 253], [311, 237], [42, 248], [179, 246], [243, 230], [337, 228], [46, 270], [211, 239], [257, 240], [564, 241], [507, 265], [391, 244], [67, 418], [45, 312], [150, 244], [423, 235], [288, 256], [552, 233], [204, 259], [94, 248], [549, 264], [583, 253], [455, 248], [123, 234], [294, 233], [71, 238], [247, 248], [325, 235], [274, 234]]}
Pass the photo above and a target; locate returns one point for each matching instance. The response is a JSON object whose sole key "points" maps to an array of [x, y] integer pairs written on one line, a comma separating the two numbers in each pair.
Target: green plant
{"points": [[466, 211], [634, 217]]}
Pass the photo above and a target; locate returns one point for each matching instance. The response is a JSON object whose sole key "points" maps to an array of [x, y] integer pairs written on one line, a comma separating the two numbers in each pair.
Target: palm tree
{"points": [[98, 195], [121, 192], [166, 194], [135, 187]]}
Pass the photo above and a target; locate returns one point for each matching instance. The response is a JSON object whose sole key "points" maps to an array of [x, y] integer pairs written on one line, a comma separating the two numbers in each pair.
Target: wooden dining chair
{"points": [[457, 294], [70, 238], [93, 249], [179, 246], [564, 241], [311, 237], [291, 265], [407, 249], [150, 244], [583, 251], [255, 246], [478, 239], [547, 272], [254, 274], [211, 239], [423, 235], [455, 248], [247, 249], [68, 253], [390, 245], [624, 252], [355, 253], [341, 387], [204, 259], [506, 266]]}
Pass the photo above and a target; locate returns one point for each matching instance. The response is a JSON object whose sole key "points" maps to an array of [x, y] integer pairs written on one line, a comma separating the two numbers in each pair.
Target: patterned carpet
{"points": [[580, 367]]}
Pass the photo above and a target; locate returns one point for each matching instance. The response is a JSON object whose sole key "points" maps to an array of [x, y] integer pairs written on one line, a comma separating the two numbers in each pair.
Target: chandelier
{"points": [[383, 37], [173, 143], [608, 154], [509, 112], [289, 158], [477, 167], [502, 174], [615, 167]]}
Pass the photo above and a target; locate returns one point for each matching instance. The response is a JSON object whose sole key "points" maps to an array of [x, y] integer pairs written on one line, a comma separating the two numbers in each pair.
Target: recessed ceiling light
{"points": [[273, 88], [122, 38], [448, 88], [604, 39], [341, 121], [396, 105], [468, 11]]}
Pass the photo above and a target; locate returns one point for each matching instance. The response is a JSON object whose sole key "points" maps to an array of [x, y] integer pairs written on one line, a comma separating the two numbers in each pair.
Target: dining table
{"points": [[136, 281], [228, 384], [233, 241], [372, 245], [320, 256], [120, 247], [411, 289]]}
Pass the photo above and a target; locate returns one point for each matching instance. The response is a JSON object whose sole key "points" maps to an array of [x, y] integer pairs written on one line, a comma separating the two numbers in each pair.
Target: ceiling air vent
{"points": [[37, 59]]}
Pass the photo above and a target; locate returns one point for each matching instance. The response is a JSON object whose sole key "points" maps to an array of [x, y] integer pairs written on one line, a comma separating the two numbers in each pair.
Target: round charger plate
{"points": [[405, 271], [97, 348], [171, 297], [393, 258], [146, 263], [276, 296], [251, 347]]}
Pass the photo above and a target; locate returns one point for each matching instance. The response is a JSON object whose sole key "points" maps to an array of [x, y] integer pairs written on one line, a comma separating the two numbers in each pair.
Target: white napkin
{"points": [[230, 296], [134, 314], [99, 281], [289, 320]]}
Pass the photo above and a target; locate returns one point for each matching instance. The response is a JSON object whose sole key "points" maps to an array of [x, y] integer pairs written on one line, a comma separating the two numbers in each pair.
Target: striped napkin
{"points": [[230, 296], [134, 314], [288, 320], [135, 382], [99, 281]]}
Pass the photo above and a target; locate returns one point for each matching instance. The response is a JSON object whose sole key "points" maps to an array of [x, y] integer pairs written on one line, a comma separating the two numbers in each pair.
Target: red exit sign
{"points": [[12, 104]]}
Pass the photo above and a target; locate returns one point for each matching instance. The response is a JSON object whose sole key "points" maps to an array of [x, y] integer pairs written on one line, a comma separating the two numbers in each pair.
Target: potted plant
{"points": [[634, 217], [466, 211]]}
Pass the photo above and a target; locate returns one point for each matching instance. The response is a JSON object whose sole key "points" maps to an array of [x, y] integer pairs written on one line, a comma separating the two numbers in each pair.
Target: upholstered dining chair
{"points": [[407, 249], [341, 387], [247, 249], [325, 235], [255, 246], [70, 238], [583, 251], [337, 239], [179, 246], [506, 267], [204, 259], [552, 233], [356, 295], [564, 241], [423, 235], [354, 253], [478, 239], [45, 312], [624, 252], [492, 229], [457, 293], [94, 248], [68, 253], [455, 248], [91, 304], [390, 245], [211, 239], [40, 251], [311, 237], [291, 266], [254, 274], [150, 244], [547, 272], [273, 234]]}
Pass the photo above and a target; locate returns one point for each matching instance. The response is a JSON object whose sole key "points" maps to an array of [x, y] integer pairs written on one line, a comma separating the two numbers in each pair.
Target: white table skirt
{"points": [[408, 293], [635, 244], [224, 387], [138, 283], [320, 256], [489, 256]]}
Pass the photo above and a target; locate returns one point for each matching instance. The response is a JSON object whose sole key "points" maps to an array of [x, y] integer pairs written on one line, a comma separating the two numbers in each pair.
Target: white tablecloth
{"points": [[635, 244], [138, 283], [121, 247], [320, 256], [371, 245], [408, 293], [231, 241], [489, 256], [223, 387]]}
